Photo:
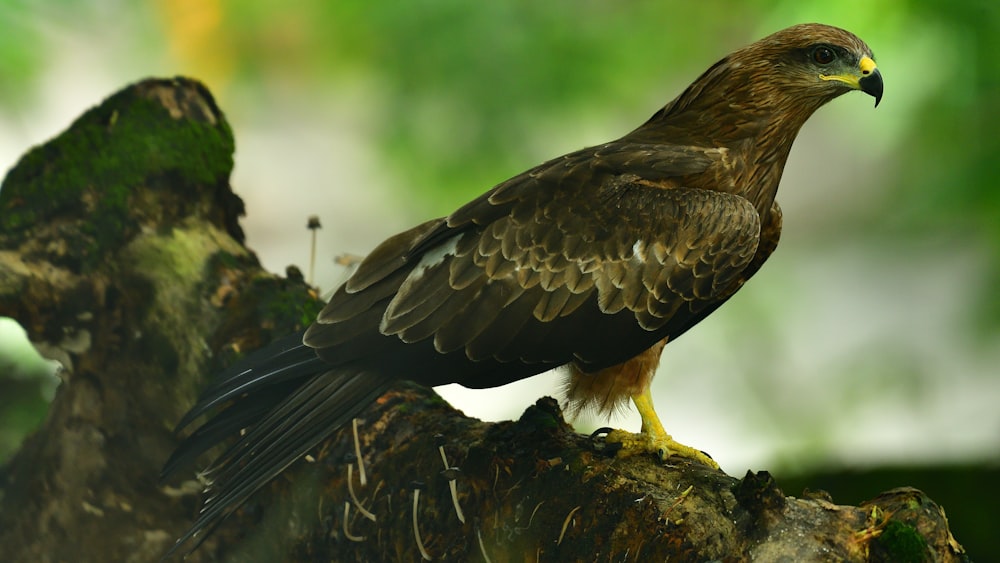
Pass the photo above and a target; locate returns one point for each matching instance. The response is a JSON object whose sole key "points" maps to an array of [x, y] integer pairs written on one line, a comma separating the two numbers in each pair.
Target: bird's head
{"points": [[773, 84], [811, 62]]}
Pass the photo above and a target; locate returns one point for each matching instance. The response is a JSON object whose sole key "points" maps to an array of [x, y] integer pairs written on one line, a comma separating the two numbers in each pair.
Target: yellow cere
{"points": [[867, 65]]}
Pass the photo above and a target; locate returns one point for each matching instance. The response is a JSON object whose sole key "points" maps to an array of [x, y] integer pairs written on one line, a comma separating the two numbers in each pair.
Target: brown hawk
{"points": [[592, 261]]}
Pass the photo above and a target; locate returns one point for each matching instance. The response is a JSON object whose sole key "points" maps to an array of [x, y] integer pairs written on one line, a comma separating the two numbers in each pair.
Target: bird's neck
{"points": [[756, 127], [729, 103]]}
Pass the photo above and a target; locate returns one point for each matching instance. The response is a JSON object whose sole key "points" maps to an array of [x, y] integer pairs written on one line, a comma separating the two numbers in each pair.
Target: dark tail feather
{"points": [[288, 400], [225, 424], [278, 368], [284, 359]]}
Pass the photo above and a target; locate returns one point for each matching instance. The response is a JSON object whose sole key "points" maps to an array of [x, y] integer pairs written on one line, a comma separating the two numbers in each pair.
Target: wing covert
{"points": [[658, 254], [543, 269]]}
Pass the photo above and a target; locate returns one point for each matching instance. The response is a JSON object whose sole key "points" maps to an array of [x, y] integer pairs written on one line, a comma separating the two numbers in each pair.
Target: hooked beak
{"points": [[868, 79], [871, 84]]}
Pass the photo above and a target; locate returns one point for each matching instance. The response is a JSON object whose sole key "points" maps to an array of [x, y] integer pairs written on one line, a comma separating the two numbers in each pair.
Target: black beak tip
{"points": [[872, 85]]}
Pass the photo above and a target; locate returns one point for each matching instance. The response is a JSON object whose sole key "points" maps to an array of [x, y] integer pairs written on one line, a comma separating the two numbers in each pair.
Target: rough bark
{"points": [[122, 256]]}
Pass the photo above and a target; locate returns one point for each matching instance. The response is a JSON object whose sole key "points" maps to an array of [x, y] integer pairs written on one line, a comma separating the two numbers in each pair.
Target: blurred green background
{"points": [[869, 345]]}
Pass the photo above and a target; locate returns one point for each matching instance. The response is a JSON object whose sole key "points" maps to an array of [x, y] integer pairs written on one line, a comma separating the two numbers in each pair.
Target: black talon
{"points": [[603, 430], [599, 436], [613, 448]]}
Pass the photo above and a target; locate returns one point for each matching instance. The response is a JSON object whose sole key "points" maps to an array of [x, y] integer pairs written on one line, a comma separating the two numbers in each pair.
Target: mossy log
{"points": [[122, 256]]}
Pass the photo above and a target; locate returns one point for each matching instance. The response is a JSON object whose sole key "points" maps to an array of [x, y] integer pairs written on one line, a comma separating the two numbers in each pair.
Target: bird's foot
{"points": [[623, 444]]}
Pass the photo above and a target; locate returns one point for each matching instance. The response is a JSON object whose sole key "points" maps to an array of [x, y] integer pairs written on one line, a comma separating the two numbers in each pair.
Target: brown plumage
{"points": [[593, 260]]}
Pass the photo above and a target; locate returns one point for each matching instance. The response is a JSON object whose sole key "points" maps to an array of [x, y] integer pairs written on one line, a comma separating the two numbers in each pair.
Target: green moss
{"points": [[435, 400], [539, 418], [288, 303], [902, 543], [178, 257], [96, 167], [227, 260]]}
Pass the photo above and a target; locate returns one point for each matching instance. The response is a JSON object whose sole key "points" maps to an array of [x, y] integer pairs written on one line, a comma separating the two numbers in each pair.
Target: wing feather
{"points": [[463, 271], [423, 291], [504, 326], [481, 311], [510, 276]]}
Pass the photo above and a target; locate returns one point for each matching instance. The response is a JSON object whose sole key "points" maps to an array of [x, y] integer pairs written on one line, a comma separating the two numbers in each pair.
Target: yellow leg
{"points": [[652, 437], [650, 422]]}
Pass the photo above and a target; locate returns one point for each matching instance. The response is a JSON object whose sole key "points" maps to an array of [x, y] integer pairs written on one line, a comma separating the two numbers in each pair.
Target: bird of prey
{"points": [[591, 262]]}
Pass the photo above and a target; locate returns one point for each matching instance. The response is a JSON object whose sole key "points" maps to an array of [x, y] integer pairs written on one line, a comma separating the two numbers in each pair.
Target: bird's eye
{"points": [[823, 55]]}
